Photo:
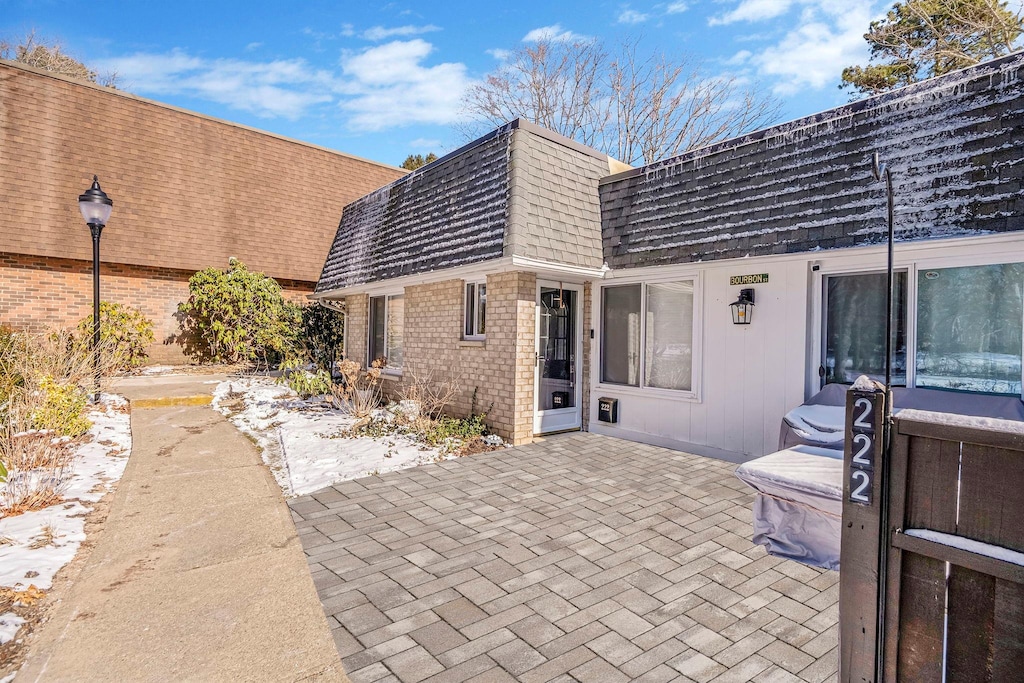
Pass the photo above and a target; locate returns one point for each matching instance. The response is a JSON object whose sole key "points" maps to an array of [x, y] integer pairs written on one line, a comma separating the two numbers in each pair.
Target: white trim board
{"points": [[567, 273]]}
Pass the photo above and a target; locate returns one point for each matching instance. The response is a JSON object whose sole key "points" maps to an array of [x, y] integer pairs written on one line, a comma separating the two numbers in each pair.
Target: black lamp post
{"points": [[95, 206], [882, 172]]}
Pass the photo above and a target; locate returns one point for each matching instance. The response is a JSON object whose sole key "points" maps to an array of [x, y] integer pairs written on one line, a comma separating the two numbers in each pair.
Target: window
{"points": [[966, 328], [664, 333], [668, 343], [620, 335], [476, 310], [969, 323], [387, 330], [855, 328]]}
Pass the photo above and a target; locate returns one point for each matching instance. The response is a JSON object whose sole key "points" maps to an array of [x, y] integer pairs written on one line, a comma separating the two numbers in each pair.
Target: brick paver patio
{"points": [[579, 557]]}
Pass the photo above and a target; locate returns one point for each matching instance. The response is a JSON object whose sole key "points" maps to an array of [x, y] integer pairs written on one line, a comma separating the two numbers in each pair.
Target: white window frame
{"points": [[476, 335], [912, 266], [388, 369], [692, 395], [822, 313]]}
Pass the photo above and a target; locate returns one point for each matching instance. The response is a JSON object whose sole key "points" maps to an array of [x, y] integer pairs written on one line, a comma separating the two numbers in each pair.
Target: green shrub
{"points": [[61, 409], [305, 383], [124, 331], [438, 432], [323, 334], [237, 316]]}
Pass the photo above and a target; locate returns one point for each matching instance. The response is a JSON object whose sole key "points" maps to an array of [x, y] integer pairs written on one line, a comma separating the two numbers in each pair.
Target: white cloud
{"points": [[499, 54], [821, 39], [380, 33], [628, 16], [381, 87], [389, 85], [554, 33], [676, 8], [285, 88], [425, 145], [253, 46], [753, 10], [740, 58]]}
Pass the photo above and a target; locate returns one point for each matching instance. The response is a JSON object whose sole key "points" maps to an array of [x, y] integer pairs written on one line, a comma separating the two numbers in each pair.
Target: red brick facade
{"points": [[39, 292], [189, 192]]}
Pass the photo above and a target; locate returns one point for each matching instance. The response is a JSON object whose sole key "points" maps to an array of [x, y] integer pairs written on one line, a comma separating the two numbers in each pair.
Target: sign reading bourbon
{"points": [[759, 279]]}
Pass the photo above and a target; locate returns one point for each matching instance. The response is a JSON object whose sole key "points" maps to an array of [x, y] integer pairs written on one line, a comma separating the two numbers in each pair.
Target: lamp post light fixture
{"points": [[743, 307], [95, 206]]}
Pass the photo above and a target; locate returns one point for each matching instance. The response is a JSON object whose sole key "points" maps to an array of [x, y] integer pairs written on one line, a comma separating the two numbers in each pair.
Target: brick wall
{"points": [[38, 292], [356, 322], [523, 288], [499, 369]]}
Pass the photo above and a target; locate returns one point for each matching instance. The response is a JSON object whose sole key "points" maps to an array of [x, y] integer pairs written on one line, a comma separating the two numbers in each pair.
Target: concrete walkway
{"points": [[575, 558], [198, 574]]}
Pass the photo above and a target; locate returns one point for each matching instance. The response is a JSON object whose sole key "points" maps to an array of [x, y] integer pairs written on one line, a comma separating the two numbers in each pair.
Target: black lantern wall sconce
{"points": [[743, 307]]}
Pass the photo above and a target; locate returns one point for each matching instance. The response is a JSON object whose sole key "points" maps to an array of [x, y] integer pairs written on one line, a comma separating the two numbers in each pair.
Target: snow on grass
{"points": [[36, 544], [150, 370], [301, 440], [9, 625]]}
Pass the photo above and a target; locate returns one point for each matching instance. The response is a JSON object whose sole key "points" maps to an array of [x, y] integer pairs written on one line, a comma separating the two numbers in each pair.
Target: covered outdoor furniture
{"points": [[799, 503], [798, 508], [820, 421]]}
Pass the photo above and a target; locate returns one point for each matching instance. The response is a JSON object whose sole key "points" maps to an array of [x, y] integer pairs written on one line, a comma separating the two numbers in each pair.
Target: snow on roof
{"points": [[952, 143]]}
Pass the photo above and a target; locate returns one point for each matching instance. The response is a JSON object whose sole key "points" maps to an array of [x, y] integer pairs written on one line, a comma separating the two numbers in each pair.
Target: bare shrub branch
{"points": [[434, 397]]}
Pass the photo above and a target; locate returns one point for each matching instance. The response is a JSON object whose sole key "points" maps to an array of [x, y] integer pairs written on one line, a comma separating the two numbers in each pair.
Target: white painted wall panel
{"points": [[751, 375]]}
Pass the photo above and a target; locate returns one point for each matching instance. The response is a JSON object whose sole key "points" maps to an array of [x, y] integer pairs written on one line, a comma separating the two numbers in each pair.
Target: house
{"points": [[189, 192], [554, 283]]}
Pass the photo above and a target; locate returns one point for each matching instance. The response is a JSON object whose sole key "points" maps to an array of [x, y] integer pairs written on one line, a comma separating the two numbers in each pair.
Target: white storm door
{"points": [[558, 394]]}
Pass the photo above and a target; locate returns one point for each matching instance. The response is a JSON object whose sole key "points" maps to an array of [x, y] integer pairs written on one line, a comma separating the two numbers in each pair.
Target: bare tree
{"points": [[50, 56], [555, 84], [663, 108], [636, 109]]}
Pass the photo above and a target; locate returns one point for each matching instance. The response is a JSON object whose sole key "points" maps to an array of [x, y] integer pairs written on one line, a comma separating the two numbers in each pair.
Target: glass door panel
{"points": [[854, 335], [557, 359]]}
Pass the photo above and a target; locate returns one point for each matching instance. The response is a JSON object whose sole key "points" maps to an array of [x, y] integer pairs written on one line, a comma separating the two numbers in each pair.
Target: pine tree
{"points": [[414, 161], [918, 39]]}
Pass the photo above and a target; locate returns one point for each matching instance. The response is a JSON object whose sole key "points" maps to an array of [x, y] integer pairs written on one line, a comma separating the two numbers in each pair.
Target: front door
{"points": [[559, 352]]}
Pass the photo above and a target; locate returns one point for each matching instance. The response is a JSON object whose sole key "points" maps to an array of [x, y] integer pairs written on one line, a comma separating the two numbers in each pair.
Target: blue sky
{"points": [[381, 80]]}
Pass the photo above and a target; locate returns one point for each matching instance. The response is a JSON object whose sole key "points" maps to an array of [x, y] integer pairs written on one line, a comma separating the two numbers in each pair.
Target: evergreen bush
{"points": [[323, 334], [237, 316], [61, 408], [124, 330]]}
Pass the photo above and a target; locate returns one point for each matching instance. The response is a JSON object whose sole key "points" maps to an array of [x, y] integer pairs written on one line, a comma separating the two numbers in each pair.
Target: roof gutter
{"points": [[504, 264]]}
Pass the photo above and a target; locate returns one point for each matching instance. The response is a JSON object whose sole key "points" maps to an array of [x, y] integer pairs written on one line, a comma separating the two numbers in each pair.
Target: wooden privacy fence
{"points": [[950, 566]]}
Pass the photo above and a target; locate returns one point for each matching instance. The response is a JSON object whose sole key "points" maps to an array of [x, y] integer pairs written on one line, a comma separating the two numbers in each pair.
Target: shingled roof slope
{"points": [[448, 213], [952, 142], [519, 191]]}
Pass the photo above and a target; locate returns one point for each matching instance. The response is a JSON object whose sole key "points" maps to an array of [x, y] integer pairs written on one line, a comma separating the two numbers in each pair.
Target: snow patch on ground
{"points": [[9, 625], [158, 370], [99, 464], [300, 439]]}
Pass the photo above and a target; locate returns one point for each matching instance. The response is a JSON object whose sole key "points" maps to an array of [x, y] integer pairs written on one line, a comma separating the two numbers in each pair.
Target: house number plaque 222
{"points": [[862, 444]]}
